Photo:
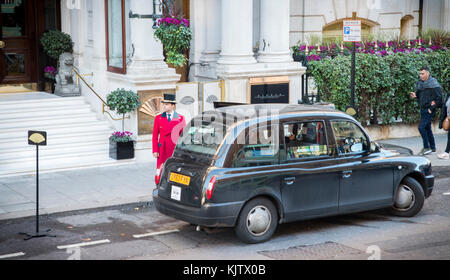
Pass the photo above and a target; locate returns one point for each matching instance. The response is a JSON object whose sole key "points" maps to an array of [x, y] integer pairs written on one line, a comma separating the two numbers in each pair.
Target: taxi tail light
{"points": [[210, 189], [158, 174]]}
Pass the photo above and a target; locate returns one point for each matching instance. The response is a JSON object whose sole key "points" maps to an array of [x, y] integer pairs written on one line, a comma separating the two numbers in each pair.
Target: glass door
{"points": [[17, 42]]}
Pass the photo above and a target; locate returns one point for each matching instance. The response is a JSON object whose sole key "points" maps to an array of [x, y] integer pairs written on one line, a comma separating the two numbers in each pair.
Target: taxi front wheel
{"points": [[409, 198], [257, 222]]}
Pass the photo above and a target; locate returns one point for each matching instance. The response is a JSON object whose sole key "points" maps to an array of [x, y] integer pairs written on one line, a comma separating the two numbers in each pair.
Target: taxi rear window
{"points": [[203, 135]]}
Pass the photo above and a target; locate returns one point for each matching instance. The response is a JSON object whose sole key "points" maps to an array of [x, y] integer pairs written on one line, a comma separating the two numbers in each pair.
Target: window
{"points": [[260, 147], [117, 33], [305, 140], [350, 139], [202, 135]]}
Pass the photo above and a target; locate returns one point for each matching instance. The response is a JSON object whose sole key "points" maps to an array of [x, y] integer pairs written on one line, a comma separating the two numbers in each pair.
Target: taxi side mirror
{"points": [[374, 147]]}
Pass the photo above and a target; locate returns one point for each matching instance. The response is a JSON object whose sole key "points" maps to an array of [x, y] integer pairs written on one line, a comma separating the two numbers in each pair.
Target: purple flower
{"points": [[313, 57]]}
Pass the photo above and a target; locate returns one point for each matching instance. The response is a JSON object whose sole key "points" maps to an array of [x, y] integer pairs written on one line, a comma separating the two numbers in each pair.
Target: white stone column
{"points": [[237, 28], [148, 52], [445, 25], [213, 28], [274, 38]]}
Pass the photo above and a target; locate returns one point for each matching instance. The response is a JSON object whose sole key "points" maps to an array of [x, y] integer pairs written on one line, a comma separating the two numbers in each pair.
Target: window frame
{"points": [[113, 69], [276, 157], [283, 147], [338, 154]]}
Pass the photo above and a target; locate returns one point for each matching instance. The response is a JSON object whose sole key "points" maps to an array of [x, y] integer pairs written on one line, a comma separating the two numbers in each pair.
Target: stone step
{"points": [[57, 129], [75, 138], [35, 124], [29, 152], [63, 111], [60, 163], [44, 102]]}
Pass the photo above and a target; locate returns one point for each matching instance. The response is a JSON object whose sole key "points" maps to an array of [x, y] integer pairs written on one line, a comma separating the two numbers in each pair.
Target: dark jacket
{"points": [[428, 95], [444, 111]]}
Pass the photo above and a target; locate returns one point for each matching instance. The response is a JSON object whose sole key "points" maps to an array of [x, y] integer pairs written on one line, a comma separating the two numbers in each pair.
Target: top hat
{"points": [[169, 98]]}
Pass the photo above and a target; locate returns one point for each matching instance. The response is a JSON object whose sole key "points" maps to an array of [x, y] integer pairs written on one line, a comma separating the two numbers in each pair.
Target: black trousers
{"points": [[447, 150], [425, 129]]}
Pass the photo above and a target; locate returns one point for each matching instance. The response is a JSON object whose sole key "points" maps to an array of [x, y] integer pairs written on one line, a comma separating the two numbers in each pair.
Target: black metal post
{"points": [[37, 234], [37, 189], [353, 73]]}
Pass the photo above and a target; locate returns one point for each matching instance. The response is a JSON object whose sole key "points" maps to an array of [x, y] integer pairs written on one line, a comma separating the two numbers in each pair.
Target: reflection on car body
{"points": [[252, 167]]}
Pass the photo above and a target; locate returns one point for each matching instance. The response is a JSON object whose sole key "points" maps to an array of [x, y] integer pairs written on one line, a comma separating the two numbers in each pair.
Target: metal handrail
{"points": [[88, 85], [104, 105]]}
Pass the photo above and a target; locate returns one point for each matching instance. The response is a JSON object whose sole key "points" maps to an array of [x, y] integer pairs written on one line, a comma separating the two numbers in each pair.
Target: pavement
{"points": [[98, 187]]}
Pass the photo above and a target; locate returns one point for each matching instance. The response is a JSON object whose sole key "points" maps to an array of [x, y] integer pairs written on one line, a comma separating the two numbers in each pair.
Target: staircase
{"points": [[75, 137]]}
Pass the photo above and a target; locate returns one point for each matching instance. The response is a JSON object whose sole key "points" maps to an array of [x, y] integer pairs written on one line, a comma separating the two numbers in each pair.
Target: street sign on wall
{"points": [[352, 31]]}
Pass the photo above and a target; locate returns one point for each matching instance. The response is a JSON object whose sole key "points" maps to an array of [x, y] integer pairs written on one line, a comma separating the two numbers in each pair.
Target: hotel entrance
{"points": [[22, 23]]}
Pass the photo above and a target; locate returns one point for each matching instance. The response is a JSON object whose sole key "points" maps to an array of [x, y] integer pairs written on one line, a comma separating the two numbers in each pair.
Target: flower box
{"points": [[121, 150], [121, 145]]}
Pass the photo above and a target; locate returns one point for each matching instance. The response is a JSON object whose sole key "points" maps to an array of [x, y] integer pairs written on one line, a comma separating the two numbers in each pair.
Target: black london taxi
{"points": [[253, 167]]}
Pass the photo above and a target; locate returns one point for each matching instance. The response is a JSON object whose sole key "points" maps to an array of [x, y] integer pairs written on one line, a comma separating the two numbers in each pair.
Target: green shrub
{"points": [[123, 101], [383, 83], [56, 42]]}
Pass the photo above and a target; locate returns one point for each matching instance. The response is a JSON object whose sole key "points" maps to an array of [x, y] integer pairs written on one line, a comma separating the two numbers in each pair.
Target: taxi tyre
{"points": [[408, 186], [257, 221]]}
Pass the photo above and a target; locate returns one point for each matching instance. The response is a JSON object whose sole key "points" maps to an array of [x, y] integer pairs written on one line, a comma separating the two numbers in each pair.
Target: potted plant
{"points": [[121, 144], [175, 35], [56, 43], [50, 73]]}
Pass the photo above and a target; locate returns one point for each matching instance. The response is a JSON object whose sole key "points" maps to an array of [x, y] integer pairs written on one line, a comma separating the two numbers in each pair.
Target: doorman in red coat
{"points": [[167, 128]]}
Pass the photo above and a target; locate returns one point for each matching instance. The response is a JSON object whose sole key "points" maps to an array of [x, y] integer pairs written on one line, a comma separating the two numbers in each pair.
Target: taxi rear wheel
{"points": [[257, 222]]}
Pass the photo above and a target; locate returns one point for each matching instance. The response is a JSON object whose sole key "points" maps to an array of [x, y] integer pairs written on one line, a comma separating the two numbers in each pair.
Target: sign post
{"points": [[37, 138], [352, 33]]}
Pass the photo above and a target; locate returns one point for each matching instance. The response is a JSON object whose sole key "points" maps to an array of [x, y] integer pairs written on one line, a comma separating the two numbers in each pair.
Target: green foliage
{"points": [[176, 39], [383, 84], [176, 59], [56, 42], [123, 101], [441, 37]]}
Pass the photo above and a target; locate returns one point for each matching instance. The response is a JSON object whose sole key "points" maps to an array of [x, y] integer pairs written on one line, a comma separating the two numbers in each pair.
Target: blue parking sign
{"points": [[347, 30]]}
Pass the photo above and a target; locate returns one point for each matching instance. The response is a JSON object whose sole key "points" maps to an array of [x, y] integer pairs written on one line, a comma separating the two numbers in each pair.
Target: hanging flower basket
{"points": [[175, 35]]}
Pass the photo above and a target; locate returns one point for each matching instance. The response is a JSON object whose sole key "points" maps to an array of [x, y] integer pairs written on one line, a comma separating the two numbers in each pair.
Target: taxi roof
{"points": [[246, 111]]}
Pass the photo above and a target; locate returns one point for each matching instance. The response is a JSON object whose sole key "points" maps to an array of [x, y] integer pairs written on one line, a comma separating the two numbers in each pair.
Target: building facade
{"points": [[240, 44]]}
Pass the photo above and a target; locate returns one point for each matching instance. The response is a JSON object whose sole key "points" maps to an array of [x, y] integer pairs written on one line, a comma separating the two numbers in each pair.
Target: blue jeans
{"points": [[425, 129]]}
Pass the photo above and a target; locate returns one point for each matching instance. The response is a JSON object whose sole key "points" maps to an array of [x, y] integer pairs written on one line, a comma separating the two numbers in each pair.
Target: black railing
{"points": [[307, 96]]}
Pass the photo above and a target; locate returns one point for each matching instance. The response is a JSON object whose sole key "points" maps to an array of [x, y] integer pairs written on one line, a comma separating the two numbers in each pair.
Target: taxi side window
{"points": [[305, 140], [260, 147], [350, 139]]}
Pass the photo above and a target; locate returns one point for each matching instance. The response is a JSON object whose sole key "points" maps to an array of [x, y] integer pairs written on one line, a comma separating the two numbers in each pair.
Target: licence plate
{"points": [[180, 179], [176, 193]]}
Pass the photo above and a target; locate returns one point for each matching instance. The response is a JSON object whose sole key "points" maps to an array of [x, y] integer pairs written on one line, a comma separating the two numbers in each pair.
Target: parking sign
{"points": [[352, 31]]}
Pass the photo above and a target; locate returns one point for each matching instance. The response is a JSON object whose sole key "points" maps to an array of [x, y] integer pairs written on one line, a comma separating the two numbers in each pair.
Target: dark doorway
{"points": [[22, 23]]}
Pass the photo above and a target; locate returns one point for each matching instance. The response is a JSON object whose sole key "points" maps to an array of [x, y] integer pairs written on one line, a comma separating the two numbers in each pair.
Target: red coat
{"points": [[166, 134]]}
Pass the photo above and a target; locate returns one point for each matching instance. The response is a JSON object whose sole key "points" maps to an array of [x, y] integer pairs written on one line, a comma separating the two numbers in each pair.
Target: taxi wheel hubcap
{"points": [[259, 220], [405, 198]]}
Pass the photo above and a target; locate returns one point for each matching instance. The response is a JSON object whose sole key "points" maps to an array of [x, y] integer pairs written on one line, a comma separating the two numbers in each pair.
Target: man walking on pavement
{"points": [[167, 128], [429, 95]]}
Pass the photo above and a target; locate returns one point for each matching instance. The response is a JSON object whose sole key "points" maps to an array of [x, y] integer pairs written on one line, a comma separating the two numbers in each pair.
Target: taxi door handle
{"points": [[289, 180], [346, 174]]}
